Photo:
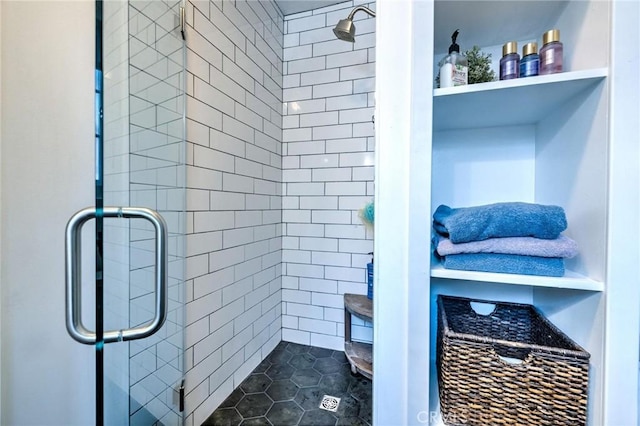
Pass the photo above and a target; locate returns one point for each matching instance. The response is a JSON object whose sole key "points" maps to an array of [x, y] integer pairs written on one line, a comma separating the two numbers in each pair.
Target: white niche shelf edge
{"points": [[509, 102], [571, 280]]}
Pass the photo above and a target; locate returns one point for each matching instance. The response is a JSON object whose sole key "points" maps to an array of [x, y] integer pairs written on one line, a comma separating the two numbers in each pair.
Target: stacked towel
{"points": [[499, 220], [526, 246], [516, 238], [506, 263]]}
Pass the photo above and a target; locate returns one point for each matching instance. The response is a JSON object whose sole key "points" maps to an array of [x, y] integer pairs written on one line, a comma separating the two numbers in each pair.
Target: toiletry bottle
{"points": [[530, 62], [455, 70], [510, 61], [551, 53], [370, 278]]}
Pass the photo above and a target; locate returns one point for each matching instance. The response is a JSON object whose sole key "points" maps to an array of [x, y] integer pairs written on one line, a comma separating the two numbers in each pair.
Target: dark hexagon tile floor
{"points": [[286, 389]]}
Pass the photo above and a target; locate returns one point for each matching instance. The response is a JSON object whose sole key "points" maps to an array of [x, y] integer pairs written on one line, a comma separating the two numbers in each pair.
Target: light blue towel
{"points": [[506, 263], [499, 220], [562, 246]]}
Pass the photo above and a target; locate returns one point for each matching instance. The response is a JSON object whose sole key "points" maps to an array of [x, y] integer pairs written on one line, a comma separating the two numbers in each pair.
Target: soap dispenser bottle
{"points": [[455, 69]]}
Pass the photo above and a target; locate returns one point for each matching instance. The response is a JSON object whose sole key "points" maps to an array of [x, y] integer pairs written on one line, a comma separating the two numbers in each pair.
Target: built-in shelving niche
{"points": [[541, 139], [514, 141]]}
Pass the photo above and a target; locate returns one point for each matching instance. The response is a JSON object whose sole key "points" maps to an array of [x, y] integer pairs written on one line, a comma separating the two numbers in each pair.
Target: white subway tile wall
{"points": [[327, 175], [234, 199]]}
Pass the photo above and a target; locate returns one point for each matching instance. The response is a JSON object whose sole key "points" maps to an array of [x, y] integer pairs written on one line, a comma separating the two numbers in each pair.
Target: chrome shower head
{"points": [[346, 30]]}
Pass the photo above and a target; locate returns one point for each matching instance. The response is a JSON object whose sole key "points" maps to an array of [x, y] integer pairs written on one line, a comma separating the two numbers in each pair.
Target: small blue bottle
{"points": [[370, 278], [530, 62]]}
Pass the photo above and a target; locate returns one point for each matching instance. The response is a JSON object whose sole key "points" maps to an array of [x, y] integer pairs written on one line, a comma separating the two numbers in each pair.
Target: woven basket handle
{"points": [[483, 309], [511, 356]]}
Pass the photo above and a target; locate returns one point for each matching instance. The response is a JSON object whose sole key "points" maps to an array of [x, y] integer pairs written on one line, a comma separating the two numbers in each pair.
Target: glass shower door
{"points": [[137, 299], [143, 166]]}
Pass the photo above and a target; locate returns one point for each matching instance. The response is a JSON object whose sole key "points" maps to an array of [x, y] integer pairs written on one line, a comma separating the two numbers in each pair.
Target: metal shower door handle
{"points": [[73, 275]]}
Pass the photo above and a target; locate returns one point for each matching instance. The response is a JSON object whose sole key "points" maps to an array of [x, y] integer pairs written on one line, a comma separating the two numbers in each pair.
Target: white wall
{"points": [[623, 256], [403, 177], [47, 174], [328, 158], [234, 119]]}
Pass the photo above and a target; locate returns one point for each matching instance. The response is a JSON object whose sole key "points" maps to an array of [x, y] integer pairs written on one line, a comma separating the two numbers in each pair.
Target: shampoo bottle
{"points": [[455, 70], [551, 53], [510, 61], [530, 62]]}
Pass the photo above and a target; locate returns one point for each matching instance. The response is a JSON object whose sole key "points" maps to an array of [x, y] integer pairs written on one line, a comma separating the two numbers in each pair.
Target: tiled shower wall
{"points": [[328, 172], [234, 210]]}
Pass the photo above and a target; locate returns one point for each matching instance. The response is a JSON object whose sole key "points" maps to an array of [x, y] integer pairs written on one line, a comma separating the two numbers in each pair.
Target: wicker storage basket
{"points": [[510, 367]]}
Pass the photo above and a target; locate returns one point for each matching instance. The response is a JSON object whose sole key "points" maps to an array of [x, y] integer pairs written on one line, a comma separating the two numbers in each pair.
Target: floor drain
{"points": [[330, 403]]}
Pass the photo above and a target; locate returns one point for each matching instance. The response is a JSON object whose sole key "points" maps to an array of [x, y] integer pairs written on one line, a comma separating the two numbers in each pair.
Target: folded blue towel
{"points": [[506, 263], [562, 246], [499, 220]]}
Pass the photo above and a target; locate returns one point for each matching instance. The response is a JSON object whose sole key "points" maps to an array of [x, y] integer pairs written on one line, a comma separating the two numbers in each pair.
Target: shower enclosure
{"points": [[135, 309], [235, 268]]}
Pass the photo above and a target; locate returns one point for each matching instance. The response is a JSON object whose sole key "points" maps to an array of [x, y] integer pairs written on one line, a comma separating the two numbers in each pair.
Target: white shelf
{"points": [[571, 280], [509, 102]]}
